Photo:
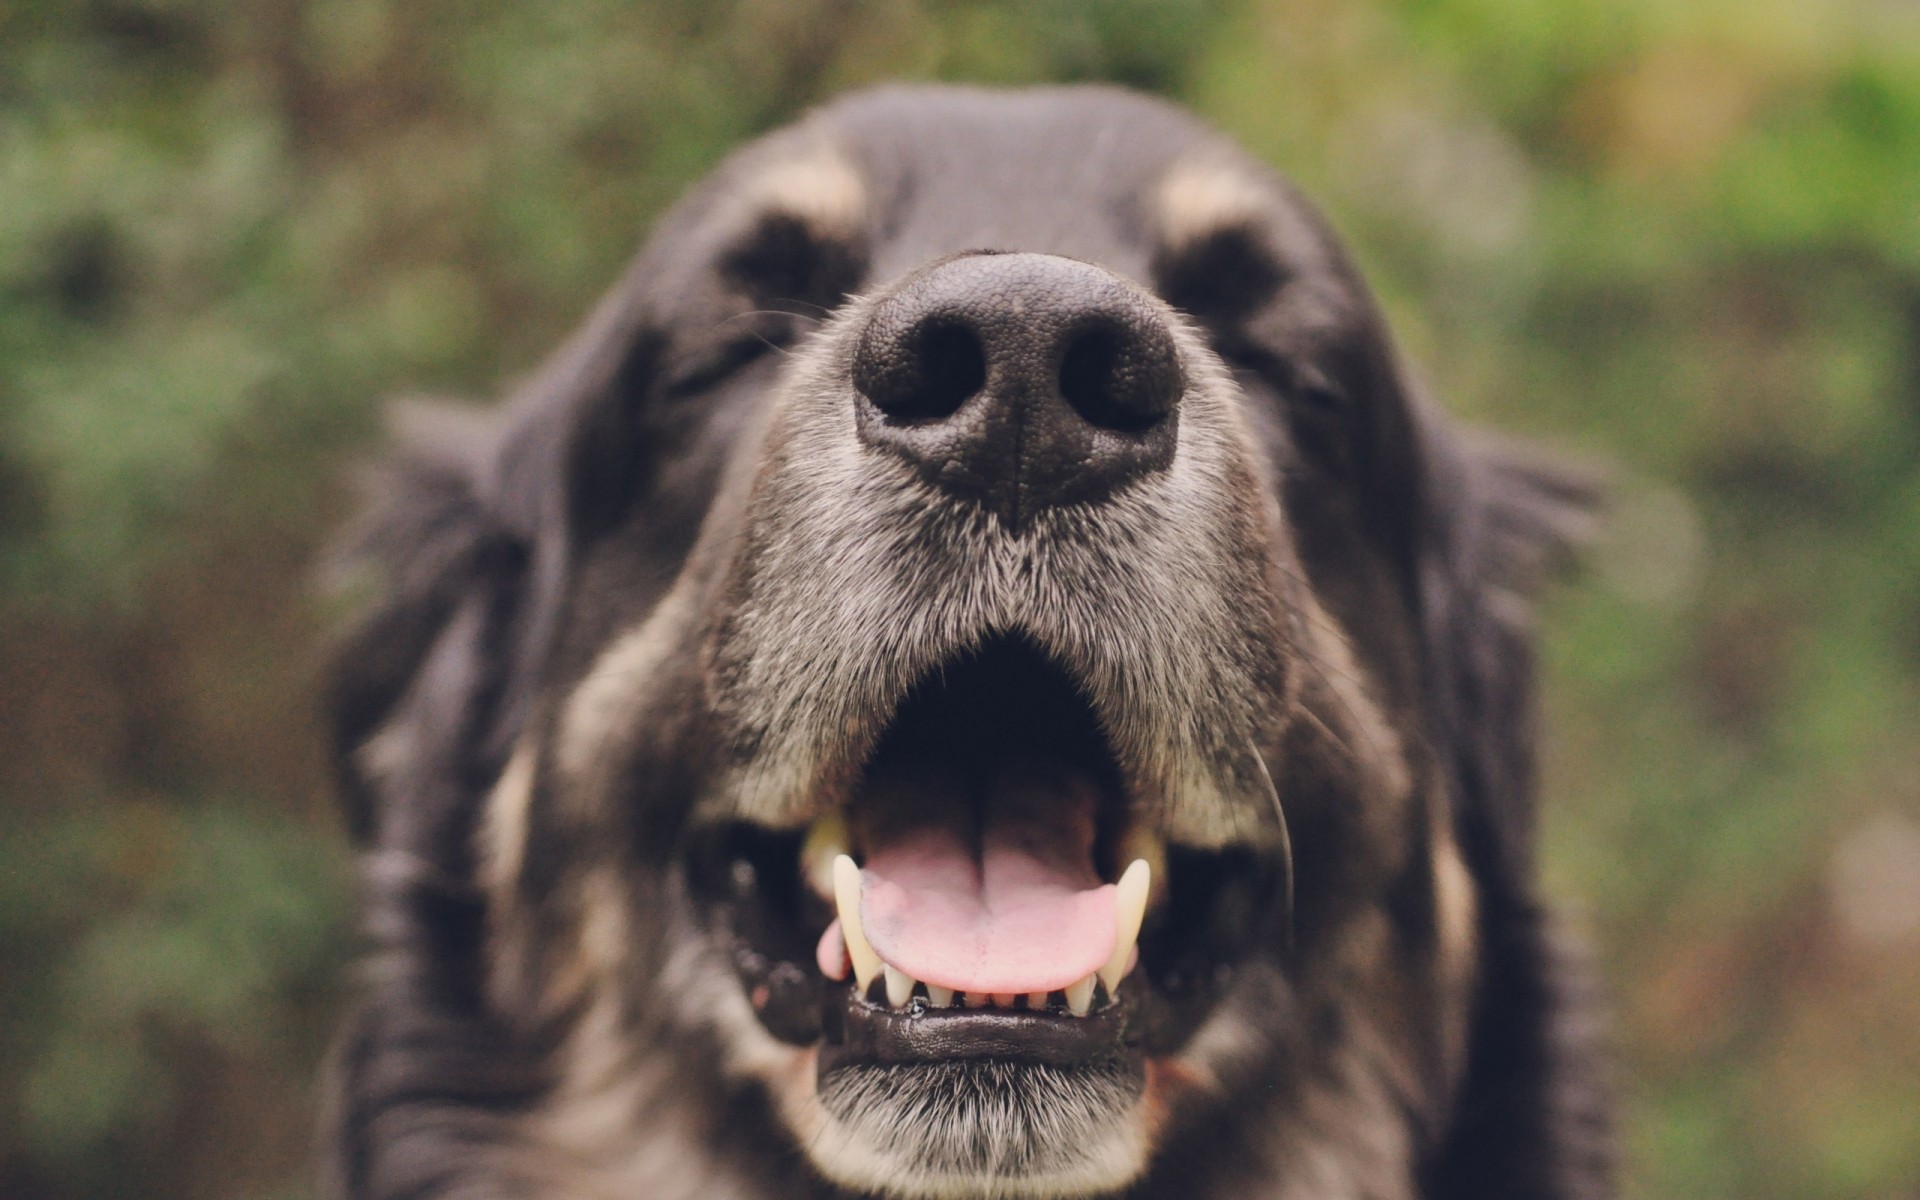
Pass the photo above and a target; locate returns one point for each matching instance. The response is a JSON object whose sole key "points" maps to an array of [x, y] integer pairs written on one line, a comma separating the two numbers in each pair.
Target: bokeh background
{"points": [[1679, 236]]}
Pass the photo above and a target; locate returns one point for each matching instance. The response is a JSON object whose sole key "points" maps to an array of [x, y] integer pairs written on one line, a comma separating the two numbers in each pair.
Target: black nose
{"points": [[1021, 381]]}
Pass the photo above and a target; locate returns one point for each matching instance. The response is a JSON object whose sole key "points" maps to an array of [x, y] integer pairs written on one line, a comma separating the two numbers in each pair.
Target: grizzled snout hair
{"points": [[1013, 512], [975, 673]]}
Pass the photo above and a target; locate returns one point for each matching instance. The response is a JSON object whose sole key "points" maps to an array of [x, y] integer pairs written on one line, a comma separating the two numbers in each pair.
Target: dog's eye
{"points": [[1315, 392], [1314, 406], [708, 368], [1299, 385]]}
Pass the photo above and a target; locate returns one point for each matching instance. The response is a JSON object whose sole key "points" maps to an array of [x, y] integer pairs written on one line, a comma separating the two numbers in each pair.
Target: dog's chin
{"points": [[980, 1129]]}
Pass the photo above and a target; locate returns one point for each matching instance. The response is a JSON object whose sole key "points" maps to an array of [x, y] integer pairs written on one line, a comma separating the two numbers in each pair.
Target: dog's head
{"points": [[973, 672]]}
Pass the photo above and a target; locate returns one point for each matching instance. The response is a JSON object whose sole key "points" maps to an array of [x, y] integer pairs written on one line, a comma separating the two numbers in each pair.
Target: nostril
{"points": [[1118, 379], [1020, 382], [927, 374]]}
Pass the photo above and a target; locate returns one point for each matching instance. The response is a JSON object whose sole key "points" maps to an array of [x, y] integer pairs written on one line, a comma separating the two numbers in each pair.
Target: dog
{"points": [[974, 673]]}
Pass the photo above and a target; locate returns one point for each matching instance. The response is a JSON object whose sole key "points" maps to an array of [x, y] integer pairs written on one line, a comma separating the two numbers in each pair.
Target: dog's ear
{"points": [[465, 549], [1501, 518], [429, 547], [422, 687], [1533, 1114]]}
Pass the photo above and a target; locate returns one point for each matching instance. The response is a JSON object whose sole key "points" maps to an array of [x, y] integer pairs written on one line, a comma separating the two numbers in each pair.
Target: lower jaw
{"points": [[927, 1103], [981, 1127]]}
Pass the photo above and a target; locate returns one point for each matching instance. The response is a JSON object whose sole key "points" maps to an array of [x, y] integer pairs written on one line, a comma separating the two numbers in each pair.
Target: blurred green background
{"points": [[1680, 237]]}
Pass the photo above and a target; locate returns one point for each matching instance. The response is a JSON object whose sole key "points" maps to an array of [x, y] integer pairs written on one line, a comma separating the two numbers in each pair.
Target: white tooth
{"points": [[1129, 909], [1080, 997], [1005, 999], [939, 997], [979, 999], [1037, 1001], [826, 841], [846, 898], [1141, 842], [899, 986]]}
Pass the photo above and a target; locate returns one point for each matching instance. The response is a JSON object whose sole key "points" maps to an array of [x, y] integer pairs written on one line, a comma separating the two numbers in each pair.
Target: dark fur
{"points": [[514, 551]]}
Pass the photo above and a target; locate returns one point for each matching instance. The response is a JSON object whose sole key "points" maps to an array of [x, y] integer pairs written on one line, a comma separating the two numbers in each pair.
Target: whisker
{"points": [[1286, 837], [780, 312]]}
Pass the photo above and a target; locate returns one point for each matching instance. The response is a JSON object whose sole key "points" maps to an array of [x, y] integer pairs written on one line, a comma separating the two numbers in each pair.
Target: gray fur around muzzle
{"points": [[995, 451], [1061, 460]]}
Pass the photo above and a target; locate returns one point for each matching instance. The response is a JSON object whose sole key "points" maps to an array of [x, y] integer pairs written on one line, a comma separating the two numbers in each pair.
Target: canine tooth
{"points": [[826, 841], [939, 997], [1080, 997], [846, 898], [1141, 842], [1037, 1001], [899, 986], [1129, 909]]}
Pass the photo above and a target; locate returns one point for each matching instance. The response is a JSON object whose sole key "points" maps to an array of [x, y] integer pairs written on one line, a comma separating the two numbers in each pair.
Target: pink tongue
{"points": [[1024, 911]]}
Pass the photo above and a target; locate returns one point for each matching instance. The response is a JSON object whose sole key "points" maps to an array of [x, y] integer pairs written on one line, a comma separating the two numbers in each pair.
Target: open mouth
{"points": [[989, 890]]}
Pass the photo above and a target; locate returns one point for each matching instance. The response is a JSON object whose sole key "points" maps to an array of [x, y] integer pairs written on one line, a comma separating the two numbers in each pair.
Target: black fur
{"points": [[511, 551]]}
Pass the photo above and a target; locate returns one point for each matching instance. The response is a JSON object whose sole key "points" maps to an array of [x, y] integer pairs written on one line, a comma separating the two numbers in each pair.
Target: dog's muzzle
{"points": [[974, 670]]}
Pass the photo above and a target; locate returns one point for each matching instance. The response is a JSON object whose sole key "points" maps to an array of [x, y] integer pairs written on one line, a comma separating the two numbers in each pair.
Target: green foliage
{"points": [[203, 931], [1684, 239]]}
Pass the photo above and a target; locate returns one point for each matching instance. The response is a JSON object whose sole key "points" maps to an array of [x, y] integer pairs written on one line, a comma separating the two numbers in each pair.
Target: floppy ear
{"points": [[429, 548], [1503, 518], [1532, 1117], [465, 544]]}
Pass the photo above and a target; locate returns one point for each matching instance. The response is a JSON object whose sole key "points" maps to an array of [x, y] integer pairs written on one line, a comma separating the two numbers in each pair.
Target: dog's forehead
{"points": [[1091, 173], [1068, 172]]}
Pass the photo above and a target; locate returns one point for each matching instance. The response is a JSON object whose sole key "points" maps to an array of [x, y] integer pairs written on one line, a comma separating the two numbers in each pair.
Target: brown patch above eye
{"points": [[821, 190], [1200, 197], [1213, 260]]}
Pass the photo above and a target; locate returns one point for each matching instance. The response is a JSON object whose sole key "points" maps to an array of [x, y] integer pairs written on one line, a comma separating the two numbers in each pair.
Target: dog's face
{"points": [[949, 695]]}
